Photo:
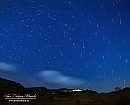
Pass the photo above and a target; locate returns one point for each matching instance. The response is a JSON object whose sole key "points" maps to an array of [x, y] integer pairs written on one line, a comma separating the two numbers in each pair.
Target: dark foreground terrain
{"points": [[45, 96]]}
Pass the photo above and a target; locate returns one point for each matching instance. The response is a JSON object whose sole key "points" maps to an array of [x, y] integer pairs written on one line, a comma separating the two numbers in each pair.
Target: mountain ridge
{"points": [[63, 96]]}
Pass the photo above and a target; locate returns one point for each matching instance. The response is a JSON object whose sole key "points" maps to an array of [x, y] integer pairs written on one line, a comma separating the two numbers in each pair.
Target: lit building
{"points": [[76, 90]]}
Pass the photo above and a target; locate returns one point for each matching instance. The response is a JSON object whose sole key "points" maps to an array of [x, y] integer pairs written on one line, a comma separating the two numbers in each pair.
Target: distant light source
{"points": [[76, 90]]}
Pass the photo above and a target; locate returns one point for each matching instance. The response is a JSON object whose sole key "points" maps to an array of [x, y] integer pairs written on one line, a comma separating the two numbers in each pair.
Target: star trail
{"points": [[66, 43]]}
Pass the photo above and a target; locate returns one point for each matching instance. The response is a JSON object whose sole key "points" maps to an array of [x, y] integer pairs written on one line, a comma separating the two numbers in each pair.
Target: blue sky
{"points": [[66, 43]]}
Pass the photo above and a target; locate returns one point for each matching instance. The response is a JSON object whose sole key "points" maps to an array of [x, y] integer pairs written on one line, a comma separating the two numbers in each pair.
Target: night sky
{"points": [[66, 43]]}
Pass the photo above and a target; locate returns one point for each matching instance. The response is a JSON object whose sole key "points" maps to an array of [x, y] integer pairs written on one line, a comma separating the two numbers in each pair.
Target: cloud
{"points": [[55, 77], [7, 66]]}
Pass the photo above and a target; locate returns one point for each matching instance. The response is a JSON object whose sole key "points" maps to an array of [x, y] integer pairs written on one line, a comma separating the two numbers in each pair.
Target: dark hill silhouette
{"points": [[62, 96], [9, 83]]}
